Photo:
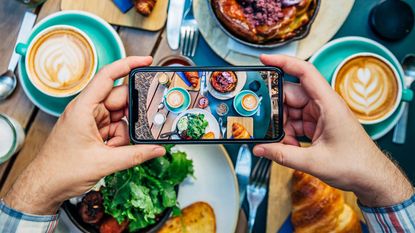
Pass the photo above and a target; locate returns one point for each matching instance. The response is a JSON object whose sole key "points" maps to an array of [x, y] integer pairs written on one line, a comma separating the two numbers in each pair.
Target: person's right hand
{"points": [[341, 154]]}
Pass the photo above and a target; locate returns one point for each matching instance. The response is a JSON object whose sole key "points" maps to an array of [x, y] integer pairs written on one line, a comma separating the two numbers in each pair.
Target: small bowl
{"points": [[175, 60], [300, 33]]}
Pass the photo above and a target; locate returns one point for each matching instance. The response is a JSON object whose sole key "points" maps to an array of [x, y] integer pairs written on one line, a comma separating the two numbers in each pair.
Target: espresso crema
{"points": [[369, 87], [61, 62]]}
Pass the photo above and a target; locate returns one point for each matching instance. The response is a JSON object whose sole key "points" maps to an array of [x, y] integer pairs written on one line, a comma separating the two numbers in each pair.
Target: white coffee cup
{"points": [[396, 76], [67, 57]]}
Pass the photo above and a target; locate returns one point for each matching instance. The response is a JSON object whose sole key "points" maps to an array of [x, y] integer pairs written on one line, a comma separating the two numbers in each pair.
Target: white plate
{"points": [[213, 125], [224, 96], [215, 183]]}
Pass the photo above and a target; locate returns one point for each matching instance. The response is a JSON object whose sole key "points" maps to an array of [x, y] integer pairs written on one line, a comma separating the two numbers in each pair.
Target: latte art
{"points": [[369, 87], [61, 62]]}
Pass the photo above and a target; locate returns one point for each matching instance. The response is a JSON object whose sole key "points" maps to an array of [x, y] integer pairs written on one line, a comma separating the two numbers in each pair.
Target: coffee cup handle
{"points": [[407, 95], [21, 49]]}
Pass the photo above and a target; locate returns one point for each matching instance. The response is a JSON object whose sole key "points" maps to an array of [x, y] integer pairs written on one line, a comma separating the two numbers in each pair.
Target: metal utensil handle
{"points": [[399, 134], [27, 25], [168, 134]]}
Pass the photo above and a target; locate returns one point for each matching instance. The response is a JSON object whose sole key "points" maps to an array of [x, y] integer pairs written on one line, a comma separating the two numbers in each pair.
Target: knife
{"points": [[243, 170], [174, 21]]}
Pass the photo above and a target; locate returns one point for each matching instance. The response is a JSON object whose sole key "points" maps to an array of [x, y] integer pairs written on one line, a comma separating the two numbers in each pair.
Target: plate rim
{"points": [[174, 124], [235, 180]]}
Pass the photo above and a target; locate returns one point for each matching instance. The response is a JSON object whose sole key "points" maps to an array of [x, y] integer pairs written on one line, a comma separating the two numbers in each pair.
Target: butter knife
{"points": [[174, 22], [243, 170]]}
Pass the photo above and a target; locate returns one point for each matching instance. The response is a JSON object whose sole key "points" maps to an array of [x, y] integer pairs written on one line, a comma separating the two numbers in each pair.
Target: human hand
{"points": [[75, 157], [341, 154]]}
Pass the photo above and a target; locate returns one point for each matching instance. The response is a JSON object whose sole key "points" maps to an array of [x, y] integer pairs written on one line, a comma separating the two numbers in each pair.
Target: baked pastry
{"points": [[193, 78], [266, 21], [198, 217], [145, 7], [318, 207], [239, 131], [223, 81]]}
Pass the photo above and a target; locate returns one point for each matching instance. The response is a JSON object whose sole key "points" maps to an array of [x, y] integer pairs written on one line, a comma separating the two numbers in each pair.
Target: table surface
{"points": [[38, 124]]}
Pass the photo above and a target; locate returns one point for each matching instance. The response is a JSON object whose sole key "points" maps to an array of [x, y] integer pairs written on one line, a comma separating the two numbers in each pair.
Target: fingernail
{"points": [[159, 150], [259, 151]]}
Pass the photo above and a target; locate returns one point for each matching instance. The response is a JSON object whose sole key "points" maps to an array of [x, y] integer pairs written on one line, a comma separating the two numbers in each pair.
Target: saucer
{"points": [[186, 102], [107, 43], [238, 99], [332, 54]]}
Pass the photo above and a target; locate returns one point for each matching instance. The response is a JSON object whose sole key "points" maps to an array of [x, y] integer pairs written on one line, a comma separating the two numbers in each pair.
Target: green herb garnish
{"points": [[141, 193]]}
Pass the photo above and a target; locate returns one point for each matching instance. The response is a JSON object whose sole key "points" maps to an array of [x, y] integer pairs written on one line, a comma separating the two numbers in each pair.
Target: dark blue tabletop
{"points": [[355, 25]]}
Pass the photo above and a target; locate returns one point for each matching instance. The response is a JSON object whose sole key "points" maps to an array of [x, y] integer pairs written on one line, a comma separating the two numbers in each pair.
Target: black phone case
{"points": [[133, 104]]}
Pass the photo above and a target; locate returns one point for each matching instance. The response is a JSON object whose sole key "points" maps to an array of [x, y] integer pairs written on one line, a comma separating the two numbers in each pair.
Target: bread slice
{"points": [[198, 217]]}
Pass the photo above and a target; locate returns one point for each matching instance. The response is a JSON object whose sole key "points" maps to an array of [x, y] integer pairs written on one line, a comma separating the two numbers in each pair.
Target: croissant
{"points": [[193, 78], [239, 131], [318, 207], [145, 7]]}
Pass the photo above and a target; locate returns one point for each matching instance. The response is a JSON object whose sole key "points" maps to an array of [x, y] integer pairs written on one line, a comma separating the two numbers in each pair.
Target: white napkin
{"points": [[288, 49]]}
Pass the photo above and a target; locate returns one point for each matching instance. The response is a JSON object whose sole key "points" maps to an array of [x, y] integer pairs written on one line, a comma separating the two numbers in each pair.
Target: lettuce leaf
{"points": [[141, 193]]}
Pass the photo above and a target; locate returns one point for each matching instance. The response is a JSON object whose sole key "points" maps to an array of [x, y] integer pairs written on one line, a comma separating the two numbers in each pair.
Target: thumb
{"points": [[294, 157], [121, 158]]}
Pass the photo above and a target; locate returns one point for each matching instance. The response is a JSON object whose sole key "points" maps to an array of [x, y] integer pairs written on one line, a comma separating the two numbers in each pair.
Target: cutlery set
{"points": [[182, 29]]}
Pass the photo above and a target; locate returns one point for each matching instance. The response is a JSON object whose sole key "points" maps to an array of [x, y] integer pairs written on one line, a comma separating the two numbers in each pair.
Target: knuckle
{"points": [[137, 158], [278, 157]]}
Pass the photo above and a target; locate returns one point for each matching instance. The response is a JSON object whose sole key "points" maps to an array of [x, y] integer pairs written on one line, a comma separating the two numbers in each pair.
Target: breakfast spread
{"points": [[264, 21], [223, 81], [198, 217], [369, 85], [318, 207]]}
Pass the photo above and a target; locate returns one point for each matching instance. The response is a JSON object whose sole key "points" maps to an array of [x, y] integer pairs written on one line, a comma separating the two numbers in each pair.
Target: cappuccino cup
{"points": [[370, 85], [177, 100], [60, 60], [246, 103]]}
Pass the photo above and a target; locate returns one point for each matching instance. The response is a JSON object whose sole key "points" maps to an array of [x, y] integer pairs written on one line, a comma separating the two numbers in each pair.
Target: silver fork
{"points": [[189, 33], [257, 188]]}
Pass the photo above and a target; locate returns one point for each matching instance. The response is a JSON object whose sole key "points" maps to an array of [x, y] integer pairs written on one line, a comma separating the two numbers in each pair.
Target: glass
{"points": [[32, 3], [11, 137]]}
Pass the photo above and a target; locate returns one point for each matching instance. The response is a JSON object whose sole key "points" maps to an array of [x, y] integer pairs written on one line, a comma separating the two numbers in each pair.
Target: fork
{"points": [[257, 188], [189, 33]]}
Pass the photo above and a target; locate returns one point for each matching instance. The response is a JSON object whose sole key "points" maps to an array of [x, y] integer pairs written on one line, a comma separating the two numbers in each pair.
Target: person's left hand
{"points": [[75, 156]]}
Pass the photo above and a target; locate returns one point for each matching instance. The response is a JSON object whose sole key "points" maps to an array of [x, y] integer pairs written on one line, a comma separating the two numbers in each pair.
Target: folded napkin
{"points": [[288, 49]]}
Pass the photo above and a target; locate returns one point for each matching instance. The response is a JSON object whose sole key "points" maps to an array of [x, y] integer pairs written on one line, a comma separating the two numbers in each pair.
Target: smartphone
{"points": [[205, 105]]}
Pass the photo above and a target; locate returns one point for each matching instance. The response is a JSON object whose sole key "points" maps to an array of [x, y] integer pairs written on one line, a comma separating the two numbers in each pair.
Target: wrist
{"points": [[31, 195], [385, 186]]}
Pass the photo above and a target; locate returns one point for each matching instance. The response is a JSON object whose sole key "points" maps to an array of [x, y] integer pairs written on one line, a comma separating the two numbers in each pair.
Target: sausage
{"points": [[91, 208]]}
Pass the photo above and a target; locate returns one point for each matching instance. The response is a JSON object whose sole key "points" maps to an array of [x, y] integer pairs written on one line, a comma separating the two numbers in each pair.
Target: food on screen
{"points": [[223, 82], [228, 105]]}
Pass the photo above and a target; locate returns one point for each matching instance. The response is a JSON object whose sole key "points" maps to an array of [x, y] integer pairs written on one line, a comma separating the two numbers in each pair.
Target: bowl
{"points": [[300, 33], [73, 214]]}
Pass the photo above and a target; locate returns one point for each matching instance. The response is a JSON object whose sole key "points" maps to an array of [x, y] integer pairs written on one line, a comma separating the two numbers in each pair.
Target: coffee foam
{"points": [[369, 87], [61, 62]]}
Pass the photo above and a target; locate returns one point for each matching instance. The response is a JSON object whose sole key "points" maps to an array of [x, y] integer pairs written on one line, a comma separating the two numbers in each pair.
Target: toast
{"points": [[198, 217]]}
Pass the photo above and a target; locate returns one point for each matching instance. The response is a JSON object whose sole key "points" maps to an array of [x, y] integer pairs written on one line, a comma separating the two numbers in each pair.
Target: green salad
{"points": [[192, 126], [142, 193]]}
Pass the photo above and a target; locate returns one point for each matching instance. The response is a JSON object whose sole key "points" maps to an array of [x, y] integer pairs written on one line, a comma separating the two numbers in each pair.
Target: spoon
{"points": [[8, 80], [7, 84], [408, 65]]}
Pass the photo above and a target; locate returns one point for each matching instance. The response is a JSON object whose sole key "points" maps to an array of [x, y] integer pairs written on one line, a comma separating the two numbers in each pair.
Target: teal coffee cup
{"points": [[177, 100], [246, 103]]}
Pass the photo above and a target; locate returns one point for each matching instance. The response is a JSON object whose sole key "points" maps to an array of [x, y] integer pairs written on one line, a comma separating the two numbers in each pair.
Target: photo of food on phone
{"points": [[206, 105]]}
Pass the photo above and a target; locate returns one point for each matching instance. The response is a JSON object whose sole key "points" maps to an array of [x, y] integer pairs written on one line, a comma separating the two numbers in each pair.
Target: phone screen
{"points": [[205, 104]]}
